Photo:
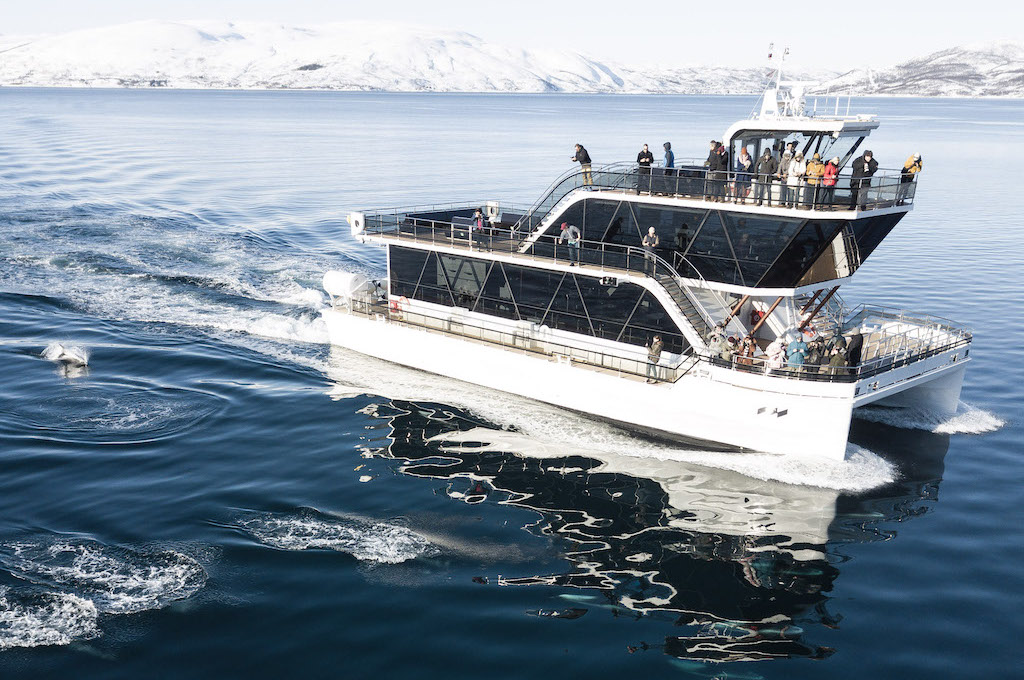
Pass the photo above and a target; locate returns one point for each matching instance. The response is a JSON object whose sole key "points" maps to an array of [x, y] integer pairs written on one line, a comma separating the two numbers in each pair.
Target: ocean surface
{"points": [[220, 493]]}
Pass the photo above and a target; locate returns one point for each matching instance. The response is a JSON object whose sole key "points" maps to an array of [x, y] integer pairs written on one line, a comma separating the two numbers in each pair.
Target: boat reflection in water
{"points": [[743, 566]]}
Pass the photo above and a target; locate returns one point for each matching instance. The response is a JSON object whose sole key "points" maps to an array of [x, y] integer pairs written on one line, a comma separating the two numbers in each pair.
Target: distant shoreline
{"points": [[492, 92]]}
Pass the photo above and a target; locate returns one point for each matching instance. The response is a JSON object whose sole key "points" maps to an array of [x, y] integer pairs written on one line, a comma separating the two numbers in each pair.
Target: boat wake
{"points": [[967, 419], [72, 582], [860, 471], [309, 529]]}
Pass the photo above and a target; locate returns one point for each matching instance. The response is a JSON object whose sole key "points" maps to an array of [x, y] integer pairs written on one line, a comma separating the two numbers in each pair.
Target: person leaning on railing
{"points": [[913, 166], [583, 158]]}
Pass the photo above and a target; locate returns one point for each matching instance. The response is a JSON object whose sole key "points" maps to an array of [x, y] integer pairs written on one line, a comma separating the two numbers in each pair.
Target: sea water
{"points": [[209, 490]]}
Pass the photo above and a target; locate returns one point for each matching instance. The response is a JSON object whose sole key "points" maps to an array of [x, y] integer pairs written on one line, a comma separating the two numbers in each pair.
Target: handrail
{"points": [[590, 354], [583, 352], [607, 256], [886, 188]]}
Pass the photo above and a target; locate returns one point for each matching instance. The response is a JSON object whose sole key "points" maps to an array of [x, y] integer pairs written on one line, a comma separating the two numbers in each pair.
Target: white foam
{"points": [[368, 541], [967, 419], [36, 619], [115, 580], [861, 470]]}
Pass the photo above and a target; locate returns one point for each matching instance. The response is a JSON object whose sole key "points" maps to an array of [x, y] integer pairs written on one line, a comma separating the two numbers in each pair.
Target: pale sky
{"points": [[824, 33]]}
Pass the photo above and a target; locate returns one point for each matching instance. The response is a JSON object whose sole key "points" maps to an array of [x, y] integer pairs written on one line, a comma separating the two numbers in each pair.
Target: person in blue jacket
{"points": [[796, 353]]}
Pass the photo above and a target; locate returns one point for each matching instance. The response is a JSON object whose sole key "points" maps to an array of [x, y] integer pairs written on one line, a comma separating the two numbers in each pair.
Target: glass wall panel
{"points": [[870, 231], [757, 241], [801, 253], [580, 304], [597, 216], [406, 267], [434, 286]]}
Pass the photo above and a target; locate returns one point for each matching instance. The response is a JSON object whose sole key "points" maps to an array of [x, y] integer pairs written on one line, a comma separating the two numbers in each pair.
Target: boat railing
{"points": [[535, 339], [691, 179]]}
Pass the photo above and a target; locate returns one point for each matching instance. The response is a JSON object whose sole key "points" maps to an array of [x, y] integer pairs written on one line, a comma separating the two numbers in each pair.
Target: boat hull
{"points": [[732, 409]]}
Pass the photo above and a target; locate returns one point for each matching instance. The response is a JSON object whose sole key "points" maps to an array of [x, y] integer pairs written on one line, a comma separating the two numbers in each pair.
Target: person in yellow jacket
{"points": [[913, 166], [815, 171]]}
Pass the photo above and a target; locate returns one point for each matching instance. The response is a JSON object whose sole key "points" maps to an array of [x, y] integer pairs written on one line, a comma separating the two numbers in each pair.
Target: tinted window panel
{"points": [[801, 253]]}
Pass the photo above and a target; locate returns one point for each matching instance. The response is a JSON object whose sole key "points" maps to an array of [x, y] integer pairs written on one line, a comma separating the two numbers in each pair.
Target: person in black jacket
{"points": [[854, 350], [583, 158], [711, 164], [863, 167], [766, 168], [644, 159]]}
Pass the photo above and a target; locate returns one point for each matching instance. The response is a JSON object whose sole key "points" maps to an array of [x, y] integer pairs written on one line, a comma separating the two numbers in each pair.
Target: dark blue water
{"points": [[220, 494]]}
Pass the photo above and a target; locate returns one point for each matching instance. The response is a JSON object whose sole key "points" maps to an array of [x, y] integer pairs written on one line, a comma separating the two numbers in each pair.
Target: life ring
{"points": [[396, 307]]}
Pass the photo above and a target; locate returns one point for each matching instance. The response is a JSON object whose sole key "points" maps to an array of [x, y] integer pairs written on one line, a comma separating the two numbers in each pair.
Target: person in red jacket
{"points": [[828, 182]]}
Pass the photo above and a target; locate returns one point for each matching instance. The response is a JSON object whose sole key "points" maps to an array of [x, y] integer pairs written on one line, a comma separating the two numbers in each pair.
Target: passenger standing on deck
{"points": [[744, 168], [815, 171], [571, 236], [854, 349], [716, 341], [653, 356], [837, 362], [670, 157], [913, 166], [767, 166], [783, 175], [828, 182], [478, 227], [796, 353], [713, 186], [863, 168], [644, 160], [795, 179], [747, 349], [583, 158], [776, 352], [650, 242]]}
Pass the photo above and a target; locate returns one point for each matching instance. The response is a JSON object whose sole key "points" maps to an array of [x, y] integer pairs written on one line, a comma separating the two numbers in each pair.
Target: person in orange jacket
{"points": [[815, 172]]}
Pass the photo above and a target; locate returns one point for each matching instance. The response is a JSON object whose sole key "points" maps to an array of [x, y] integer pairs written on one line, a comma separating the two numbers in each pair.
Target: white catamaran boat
{"points": [[505, 306]]}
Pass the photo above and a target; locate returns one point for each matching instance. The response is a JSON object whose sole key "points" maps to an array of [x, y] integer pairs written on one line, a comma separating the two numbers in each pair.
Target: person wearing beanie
{"points": [[795, 180], [815, 172], [766, 168], [860, 181], [829, 178], [913, 166]]}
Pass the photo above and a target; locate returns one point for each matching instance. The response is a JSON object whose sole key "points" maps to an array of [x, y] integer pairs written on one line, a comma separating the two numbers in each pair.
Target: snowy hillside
{"points": [[396, 57], [348, 56], [995, 70]]}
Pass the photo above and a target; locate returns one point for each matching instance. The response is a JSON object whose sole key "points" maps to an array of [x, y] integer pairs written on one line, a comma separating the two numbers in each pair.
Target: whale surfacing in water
{"points": [[66, 354]]}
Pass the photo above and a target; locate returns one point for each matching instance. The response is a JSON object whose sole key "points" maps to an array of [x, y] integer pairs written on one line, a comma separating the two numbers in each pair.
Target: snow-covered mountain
{"points": [[993, 70], [396, 57], [344, 56]]}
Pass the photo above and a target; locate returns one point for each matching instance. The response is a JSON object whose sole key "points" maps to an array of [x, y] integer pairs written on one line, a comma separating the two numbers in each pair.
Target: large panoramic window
{"points": [[623, 312], [727, 247]]}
